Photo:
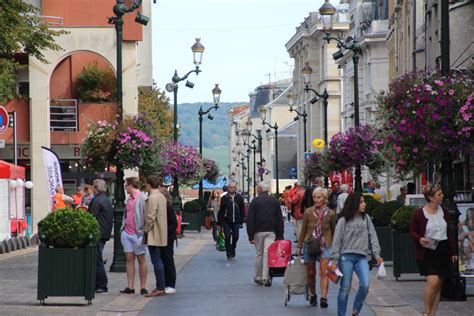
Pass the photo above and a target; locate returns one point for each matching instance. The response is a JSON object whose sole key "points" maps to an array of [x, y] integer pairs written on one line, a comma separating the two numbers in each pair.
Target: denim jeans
{"points": [[100, 274], [158, 267], [167, 254], [231, 230], [348, 263]]}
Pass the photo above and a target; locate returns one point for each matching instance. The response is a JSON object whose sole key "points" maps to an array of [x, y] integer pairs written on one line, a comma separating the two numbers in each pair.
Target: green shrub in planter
{"points": [[371, 204], [383, 212], [401, 219], [192, 206], [68, 228]]}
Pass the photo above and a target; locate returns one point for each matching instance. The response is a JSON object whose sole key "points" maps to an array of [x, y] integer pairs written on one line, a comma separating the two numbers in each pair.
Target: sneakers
{"points": [[258, 282], [170, 290], [268, 283], [143, 291], [101, 291], [313, 300], [128, 291]]}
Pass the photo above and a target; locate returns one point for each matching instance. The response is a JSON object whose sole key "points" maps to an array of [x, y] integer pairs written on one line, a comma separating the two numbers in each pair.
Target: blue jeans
{"points": [[231, 230], [348, 263], [100, 274], [158, 267]]}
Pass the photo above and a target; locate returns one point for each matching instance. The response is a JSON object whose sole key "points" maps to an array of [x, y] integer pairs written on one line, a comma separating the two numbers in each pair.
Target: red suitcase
{"points": [[279, 254]]}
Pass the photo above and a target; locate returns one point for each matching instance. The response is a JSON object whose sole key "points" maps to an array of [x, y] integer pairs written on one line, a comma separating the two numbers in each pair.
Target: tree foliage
{"points": [[22, 30], [154, 104]]}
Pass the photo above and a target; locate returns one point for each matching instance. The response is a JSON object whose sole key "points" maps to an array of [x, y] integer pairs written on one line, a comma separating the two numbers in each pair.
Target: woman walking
{"points": [[352, 251], [213, 207], [434, 246], [319, 222]]}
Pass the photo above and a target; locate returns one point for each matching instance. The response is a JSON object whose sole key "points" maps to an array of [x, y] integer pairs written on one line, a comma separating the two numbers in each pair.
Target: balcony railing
{"points": [[63, 115]]}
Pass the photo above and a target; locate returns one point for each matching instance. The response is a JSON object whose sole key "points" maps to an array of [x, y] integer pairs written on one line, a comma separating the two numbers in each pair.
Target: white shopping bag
{"points": [[381, 272]]}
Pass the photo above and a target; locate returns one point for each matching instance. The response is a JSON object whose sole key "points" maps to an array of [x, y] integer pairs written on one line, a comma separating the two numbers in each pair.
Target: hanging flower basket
{"points": [[357, 146], [131, 144], [427, 119], [182, 161], [212, 171], [316, 166]]}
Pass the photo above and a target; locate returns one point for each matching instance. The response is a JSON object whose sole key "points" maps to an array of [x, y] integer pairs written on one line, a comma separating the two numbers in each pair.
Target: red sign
{"points": [[4, 120], [344, 177]]}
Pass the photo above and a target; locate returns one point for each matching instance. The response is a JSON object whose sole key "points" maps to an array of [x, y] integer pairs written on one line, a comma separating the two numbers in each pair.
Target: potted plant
{"points": [[94, 84], [381, 216], [192, 215], [316, 166], [402, 244], [67, 254], [182, 161]]}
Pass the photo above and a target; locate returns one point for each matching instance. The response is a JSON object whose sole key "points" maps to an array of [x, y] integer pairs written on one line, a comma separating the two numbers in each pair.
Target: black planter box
{"points": [[403, 254], [384, 235], [194, 220], [66, 272]]}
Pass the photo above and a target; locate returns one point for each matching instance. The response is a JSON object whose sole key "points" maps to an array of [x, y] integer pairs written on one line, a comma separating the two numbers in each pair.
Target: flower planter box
{"points": [[403, 254], [194, 219], [66, 272], [384, 235]]}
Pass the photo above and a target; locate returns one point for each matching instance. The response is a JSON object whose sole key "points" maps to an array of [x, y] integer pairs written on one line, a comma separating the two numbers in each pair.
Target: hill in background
{"points": [[214, 132]]}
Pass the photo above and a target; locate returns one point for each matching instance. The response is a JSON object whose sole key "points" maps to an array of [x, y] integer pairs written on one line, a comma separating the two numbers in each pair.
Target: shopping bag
{"points": [[279, 253], [381, 272], [220, 244]]}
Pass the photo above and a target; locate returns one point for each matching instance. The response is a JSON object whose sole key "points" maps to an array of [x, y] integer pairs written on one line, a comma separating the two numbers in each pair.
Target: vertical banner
{"points": [[53, 170], [4, 210]]}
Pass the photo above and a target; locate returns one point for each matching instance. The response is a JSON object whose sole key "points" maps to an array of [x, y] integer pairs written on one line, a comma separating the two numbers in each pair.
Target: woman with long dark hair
{"points": [[434, 246], [352, 252], [213, 206]]}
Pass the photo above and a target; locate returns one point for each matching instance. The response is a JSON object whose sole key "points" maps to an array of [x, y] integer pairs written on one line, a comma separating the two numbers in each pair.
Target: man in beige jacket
{"points": [[156, 231]]}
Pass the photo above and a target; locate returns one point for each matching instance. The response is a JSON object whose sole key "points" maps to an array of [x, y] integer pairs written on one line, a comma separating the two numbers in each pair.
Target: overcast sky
{"points": [[244, 40]]}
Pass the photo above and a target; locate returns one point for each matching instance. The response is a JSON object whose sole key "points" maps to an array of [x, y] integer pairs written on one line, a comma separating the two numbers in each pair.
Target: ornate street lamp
{"points": [[303, 114], [216, 93], [197, 50], [327, 12], [120, 9], [274, 127], [307, 71]]}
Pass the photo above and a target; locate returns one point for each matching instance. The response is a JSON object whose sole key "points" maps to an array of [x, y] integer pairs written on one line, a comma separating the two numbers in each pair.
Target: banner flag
{"points": [[53, 170]]}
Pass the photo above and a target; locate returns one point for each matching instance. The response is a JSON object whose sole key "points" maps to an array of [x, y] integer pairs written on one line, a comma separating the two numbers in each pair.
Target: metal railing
{"points": [[63, 115]]}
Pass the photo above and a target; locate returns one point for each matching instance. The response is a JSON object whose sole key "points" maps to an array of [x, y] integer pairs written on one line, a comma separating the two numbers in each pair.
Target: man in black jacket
{"points": [[230, 217], [101, 208], [264, 226]]}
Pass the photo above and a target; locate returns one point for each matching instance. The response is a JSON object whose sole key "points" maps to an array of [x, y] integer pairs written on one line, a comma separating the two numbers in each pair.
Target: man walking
{"points": [[297, 203], [101, 208], [230, 217], [132, 235], [264, 226], [156, 231]]}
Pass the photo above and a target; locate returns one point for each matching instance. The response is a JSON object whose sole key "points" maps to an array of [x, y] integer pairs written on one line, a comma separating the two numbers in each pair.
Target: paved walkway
{"points": [[18, 284], [212, 285]]}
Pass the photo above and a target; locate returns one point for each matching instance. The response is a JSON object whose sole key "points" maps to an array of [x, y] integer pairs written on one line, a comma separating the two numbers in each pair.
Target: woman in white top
{"points": [[434, 246]]}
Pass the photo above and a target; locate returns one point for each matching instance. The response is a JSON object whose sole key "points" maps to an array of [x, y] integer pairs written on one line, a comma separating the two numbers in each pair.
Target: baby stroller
{"points": [[279, 254], [295, 279]]}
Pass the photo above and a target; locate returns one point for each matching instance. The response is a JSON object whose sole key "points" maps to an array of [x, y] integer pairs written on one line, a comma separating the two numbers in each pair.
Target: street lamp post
{"points": [[274, 127], [216, 93], [248, 173], [120, 9], [327, 12], [307, 71], [303, 114], [197, 50], [254, 150]]}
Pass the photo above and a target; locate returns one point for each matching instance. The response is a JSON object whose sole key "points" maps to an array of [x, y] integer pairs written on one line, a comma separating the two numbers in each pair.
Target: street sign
{"points": [[4, 120]]}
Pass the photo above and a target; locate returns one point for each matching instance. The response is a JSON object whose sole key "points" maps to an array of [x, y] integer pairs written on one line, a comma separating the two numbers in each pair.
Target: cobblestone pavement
{"points": [[18, 282]]}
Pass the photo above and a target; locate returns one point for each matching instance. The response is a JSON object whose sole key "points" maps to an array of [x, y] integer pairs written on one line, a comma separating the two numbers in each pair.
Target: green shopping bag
{"points": [[220, 244]]}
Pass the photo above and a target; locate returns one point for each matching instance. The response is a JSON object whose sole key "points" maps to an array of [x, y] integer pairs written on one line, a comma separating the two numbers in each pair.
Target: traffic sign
{"points": [[4, 120]]}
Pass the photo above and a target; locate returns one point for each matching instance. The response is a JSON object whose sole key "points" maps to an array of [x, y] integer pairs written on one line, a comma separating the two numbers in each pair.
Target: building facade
{"points": [[49, 87]]}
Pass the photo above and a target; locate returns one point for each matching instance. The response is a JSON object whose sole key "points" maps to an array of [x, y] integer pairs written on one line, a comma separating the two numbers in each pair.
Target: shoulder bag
{"points": [[372, 262]]}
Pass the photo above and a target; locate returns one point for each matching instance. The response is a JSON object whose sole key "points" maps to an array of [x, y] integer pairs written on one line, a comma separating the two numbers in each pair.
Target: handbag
{"points": [[208, 222], [313, 247], [372, 262]]}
